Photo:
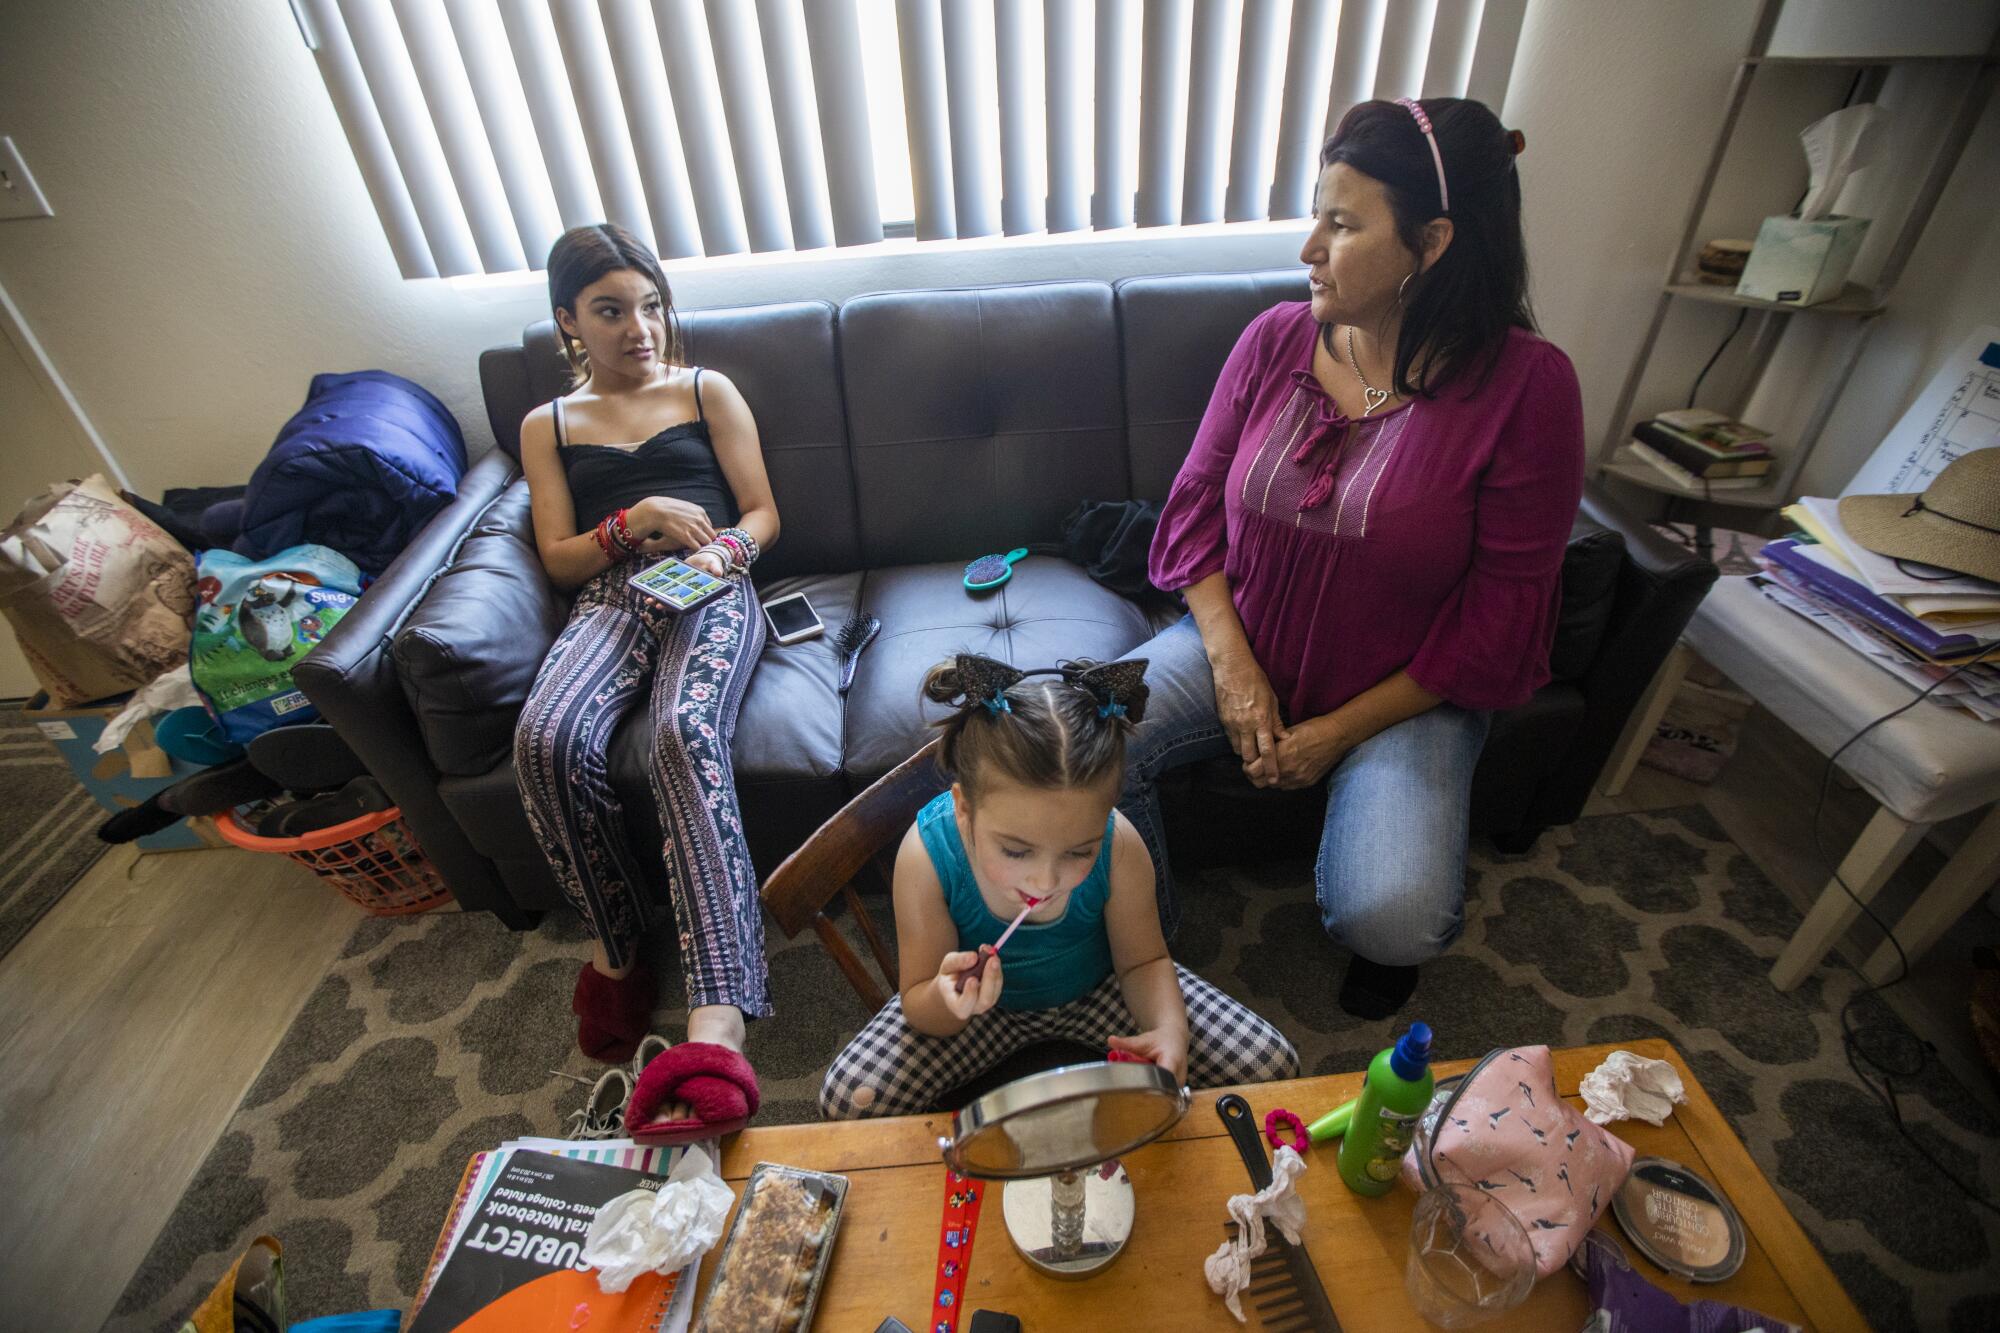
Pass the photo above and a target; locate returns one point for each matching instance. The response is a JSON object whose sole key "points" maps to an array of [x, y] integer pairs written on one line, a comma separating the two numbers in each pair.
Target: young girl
{"points": [[647, 457], [1038, 758]]}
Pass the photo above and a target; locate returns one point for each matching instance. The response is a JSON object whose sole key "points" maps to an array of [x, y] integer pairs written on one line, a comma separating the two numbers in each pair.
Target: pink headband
{"points": [[1424, 123]]}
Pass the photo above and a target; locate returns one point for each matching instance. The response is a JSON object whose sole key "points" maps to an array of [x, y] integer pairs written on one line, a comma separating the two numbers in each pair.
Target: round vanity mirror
{"points": [[1057, 1137]]}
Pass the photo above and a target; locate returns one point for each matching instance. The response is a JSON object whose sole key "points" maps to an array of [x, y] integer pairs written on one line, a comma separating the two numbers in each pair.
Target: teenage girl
{"points": [[1038, 758], [644, 457]]}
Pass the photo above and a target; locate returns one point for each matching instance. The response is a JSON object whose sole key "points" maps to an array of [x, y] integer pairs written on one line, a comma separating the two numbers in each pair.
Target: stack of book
{"points": [[507, 1258], [1913, 620], [1699, 450]]}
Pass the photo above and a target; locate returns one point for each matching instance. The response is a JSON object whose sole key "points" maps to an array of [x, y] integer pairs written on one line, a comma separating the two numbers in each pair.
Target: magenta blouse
{"points": [[1429, 537]]}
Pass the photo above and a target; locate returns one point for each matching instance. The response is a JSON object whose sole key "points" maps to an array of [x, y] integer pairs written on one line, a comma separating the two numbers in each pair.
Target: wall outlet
{"points": [[20, 197]]}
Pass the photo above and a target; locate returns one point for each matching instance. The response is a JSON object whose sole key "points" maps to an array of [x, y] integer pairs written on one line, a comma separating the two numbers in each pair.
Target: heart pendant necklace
{"points": [[1371, 397]]}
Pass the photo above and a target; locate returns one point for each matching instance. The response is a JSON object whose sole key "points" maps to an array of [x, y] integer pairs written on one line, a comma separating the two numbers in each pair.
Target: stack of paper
{"points": [[1928, 626], [485, 1168], [1959, 602]]}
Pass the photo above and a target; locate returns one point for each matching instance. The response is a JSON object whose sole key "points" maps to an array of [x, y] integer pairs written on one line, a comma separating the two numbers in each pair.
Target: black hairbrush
{"points": [[859, 631]]}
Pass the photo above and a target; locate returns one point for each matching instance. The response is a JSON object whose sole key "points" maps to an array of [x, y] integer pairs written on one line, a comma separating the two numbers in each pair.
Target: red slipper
{"points": [[613, 1013], [717, 1084]]}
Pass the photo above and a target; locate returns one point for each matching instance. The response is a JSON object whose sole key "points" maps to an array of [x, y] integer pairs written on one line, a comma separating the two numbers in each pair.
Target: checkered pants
{"points": [[892, 1069]]}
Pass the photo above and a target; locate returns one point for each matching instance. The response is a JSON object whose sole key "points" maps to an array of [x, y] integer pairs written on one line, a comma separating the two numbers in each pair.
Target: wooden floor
{"points": [[133, 1018], [135, 1015]]}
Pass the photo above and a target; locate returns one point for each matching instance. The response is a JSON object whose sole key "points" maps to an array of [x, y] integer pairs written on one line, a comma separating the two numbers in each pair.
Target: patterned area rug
{"points": [[48, 826], [433, 1038]]}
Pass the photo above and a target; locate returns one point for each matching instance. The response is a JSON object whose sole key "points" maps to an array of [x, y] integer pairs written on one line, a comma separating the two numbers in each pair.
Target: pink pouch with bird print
{"points": [[1503, 1129]]}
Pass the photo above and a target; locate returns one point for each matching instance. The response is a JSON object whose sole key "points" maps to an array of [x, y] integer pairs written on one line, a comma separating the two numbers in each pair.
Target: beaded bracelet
{"points": [[613, 537], [751, 550], [724, 555]]}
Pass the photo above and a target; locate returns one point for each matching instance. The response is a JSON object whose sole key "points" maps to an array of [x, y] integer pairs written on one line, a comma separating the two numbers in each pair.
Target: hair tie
{"points": [[1411, 105], [996, 704], [1110, 710], [1281, 1120]]}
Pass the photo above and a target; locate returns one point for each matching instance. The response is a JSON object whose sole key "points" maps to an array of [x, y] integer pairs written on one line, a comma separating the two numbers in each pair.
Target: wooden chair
{"points": [[846, 846]]}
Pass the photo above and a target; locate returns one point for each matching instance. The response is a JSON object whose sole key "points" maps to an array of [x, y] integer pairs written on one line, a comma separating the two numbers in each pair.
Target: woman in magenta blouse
{"points": [[1369, 530]]}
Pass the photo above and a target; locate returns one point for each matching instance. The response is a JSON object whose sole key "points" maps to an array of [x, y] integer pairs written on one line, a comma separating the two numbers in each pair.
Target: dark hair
{"points": [[1048, 732], [580, 257], [1456, 312]]}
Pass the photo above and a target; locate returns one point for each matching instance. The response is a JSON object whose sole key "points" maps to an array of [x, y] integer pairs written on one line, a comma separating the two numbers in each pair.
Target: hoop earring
{"points": [[1404, 283]]}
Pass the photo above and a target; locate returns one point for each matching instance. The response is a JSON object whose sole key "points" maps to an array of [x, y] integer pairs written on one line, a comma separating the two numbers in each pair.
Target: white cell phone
{"points": [[792, 619]]}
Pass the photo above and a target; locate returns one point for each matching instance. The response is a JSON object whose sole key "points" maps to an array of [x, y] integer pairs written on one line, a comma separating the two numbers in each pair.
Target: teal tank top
{"points": [[1046, 965]]}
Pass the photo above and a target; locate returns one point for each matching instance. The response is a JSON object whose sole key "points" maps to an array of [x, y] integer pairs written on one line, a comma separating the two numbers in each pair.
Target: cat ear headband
{"points": [[1118, 687]]}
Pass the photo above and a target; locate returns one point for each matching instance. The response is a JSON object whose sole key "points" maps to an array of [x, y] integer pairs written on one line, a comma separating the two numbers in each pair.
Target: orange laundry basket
{"points": [[374, 861]]}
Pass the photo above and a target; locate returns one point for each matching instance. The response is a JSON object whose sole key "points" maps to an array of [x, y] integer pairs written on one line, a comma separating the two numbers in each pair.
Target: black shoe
{"points": [[147, 817], [308, 757], [363, 796], [216, 789], [1374, 990]]}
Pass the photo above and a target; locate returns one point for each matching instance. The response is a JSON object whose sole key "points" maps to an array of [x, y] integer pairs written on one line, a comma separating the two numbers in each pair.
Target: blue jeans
{"points": [[1390, 877]]}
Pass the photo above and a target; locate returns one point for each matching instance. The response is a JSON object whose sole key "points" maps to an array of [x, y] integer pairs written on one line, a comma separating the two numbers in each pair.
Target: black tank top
{"points": [[679, 462]]}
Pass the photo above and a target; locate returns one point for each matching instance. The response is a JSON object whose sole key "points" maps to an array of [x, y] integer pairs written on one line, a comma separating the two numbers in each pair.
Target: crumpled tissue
{"points": [[1628, 1086], [1228, 1269], [659, 1231], [173, 689]]}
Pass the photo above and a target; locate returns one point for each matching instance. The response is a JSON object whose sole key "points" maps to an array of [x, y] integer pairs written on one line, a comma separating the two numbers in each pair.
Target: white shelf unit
{"points": [[1858, 303]]}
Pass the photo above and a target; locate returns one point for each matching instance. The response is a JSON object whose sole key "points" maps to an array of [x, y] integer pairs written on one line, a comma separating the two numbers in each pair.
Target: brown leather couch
{"points": [[905, 434]]}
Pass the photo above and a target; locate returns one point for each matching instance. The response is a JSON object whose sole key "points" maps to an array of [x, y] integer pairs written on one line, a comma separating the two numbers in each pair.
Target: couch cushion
{"points": [[782, 359], [1048, 611], [980, 417], [795, 397], [1176, 332], [790, 726], [1589, 591], [467, 655]]}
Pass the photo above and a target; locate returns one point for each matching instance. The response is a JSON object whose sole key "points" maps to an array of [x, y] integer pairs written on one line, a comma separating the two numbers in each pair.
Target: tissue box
{"points": [[127, 775], [1802, 263]]}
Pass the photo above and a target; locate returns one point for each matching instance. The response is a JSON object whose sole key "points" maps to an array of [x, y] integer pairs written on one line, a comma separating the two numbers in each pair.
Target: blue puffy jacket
{"points": [[360, 468]]}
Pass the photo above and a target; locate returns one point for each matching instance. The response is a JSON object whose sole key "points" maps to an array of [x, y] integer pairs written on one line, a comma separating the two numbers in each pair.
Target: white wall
{"points": [[213, 246], [1621, 102]]}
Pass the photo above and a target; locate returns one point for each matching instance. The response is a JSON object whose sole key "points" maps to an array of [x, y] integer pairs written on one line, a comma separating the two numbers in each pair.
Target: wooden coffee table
{"points": [[884, 1257]]}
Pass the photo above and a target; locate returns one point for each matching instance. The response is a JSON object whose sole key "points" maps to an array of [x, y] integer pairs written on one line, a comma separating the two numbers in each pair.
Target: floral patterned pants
{"points": [[620, 645]]}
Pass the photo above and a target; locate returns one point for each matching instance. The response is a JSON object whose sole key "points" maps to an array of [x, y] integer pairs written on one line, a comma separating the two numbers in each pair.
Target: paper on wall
{"points": [[1958, 412]]}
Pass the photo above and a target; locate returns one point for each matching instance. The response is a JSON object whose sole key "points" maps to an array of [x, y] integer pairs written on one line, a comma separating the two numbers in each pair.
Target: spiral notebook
{"points": [[506, 1256]]}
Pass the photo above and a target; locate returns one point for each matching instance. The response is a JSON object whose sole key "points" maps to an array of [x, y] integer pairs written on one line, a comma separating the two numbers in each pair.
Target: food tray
{"points": [[794, 1311]]}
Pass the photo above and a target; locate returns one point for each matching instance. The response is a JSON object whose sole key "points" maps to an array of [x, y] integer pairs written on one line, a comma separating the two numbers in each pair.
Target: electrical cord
{"points": [[1896, 1040], [1734, 329]]}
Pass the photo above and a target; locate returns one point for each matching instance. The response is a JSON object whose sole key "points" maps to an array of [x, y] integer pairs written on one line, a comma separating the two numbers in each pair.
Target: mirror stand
{"points": [[1070, 1225]]}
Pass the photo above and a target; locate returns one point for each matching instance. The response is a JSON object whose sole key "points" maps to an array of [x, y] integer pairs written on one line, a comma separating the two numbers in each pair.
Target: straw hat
{"points": [[1954, 524]]}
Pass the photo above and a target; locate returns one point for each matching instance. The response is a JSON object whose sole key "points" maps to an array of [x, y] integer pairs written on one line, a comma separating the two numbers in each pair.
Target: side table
{"points": [[1928, 765]]}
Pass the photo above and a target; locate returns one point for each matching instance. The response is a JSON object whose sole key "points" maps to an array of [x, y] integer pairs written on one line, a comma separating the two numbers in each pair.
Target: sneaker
{"points": [[602, 1115], [650, 1047]]}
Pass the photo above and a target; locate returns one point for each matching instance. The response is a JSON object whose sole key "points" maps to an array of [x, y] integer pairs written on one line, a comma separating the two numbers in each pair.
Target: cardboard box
{"points": [[127, 775], [1802, 263]]}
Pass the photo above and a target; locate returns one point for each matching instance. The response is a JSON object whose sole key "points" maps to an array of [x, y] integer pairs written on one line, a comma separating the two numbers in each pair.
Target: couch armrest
{"points": [[468, 652], [1659, 588], [351, 677]]}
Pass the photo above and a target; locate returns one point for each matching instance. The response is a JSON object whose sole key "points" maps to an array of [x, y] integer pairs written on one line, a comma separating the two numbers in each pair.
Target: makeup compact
{"points": [[1680, 1221]]}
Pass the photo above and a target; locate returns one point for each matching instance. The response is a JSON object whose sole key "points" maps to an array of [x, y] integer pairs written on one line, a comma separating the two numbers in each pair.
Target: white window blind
{"points": [[483, 128]]}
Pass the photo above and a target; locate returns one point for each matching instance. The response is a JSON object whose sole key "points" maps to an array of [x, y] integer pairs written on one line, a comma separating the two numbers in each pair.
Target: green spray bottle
{"points": [[1394, 1095]]}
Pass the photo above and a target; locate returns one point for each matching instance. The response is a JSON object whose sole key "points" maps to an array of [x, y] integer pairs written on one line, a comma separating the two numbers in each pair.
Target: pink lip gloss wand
{"points": [[971, 974]]}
